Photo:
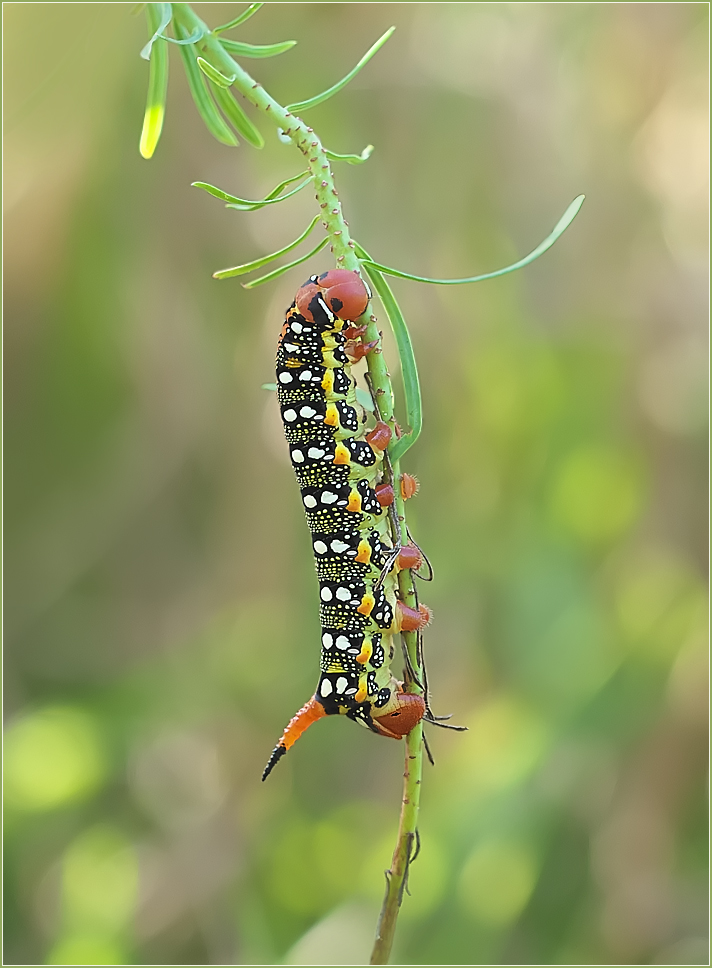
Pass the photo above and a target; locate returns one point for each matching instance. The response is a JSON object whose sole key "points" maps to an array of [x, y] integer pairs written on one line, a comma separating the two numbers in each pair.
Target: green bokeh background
{"points": [[161, 610]]}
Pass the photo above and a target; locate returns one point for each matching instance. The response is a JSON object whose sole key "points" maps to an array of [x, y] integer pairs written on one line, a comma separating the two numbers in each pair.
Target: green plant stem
{"points": [[342, 247], [297, 130], [396, 876]]}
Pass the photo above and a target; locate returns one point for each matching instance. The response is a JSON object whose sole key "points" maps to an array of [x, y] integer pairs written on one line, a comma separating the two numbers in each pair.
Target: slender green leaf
{"points": [[157, 88], [287, 181], [213, 74], [325, 95], [197, 35], [213, 190], [214, 121], [247, 206], [245, 15], [244, 204], [256, 50], [258, 263], [269, 386], [409, 370], [561, 226], [160, 13], [232, 110], [351, 159], [285, 268]]}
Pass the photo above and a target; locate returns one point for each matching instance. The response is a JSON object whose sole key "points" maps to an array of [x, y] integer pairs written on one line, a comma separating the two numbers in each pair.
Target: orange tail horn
{"points": [[308, 714]]}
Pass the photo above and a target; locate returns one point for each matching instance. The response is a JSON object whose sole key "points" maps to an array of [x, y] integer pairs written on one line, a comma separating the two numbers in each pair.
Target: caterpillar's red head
{"points": [[305, 297], [343, 293]]}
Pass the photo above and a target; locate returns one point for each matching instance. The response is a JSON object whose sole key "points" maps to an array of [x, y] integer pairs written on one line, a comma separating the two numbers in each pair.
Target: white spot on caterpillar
{"points": [[326, 688], [291, 347], [341, 684], [351, 691], [339, 546], [290, 415], [342, 642], [309, 501], [327, 640], [328, 497], [305, 375], [330, 316], [297, 456], [326, 595], [296, 327], [307, 412], [343, 594], [320, 547], [285, 377], [315, 453]]}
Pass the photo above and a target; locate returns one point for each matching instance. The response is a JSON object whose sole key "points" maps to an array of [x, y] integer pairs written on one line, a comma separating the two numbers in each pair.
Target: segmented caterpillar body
{"points": [[338, 462]]}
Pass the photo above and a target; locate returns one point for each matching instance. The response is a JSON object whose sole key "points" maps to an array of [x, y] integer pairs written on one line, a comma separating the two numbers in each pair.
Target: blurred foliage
{"points": [[161, 619]]}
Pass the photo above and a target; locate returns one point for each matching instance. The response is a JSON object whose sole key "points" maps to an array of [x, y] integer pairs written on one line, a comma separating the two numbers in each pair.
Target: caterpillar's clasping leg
{"points": [[400, 714], [307, 715], [410, 619], [356, 350], [410, 556]]}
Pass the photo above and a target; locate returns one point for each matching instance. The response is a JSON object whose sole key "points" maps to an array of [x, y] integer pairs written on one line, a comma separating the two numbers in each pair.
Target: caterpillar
{"points": [[339, 464]]}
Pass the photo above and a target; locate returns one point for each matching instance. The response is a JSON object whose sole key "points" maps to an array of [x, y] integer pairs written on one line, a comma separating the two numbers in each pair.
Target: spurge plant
{"points": [[345, 444]]}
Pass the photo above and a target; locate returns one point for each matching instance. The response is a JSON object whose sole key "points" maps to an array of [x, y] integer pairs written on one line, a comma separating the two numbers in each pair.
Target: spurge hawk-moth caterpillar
{"points": [[338, 462]]}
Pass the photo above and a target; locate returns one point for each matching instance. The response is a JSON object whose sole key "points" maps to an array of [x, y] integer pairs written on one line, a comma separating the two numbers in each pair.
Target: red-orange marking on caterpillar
{"points": [[356, 351], [409, 557], [385, 495], [380, 436], [411, 619], [409, 486], [407, 714]]}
